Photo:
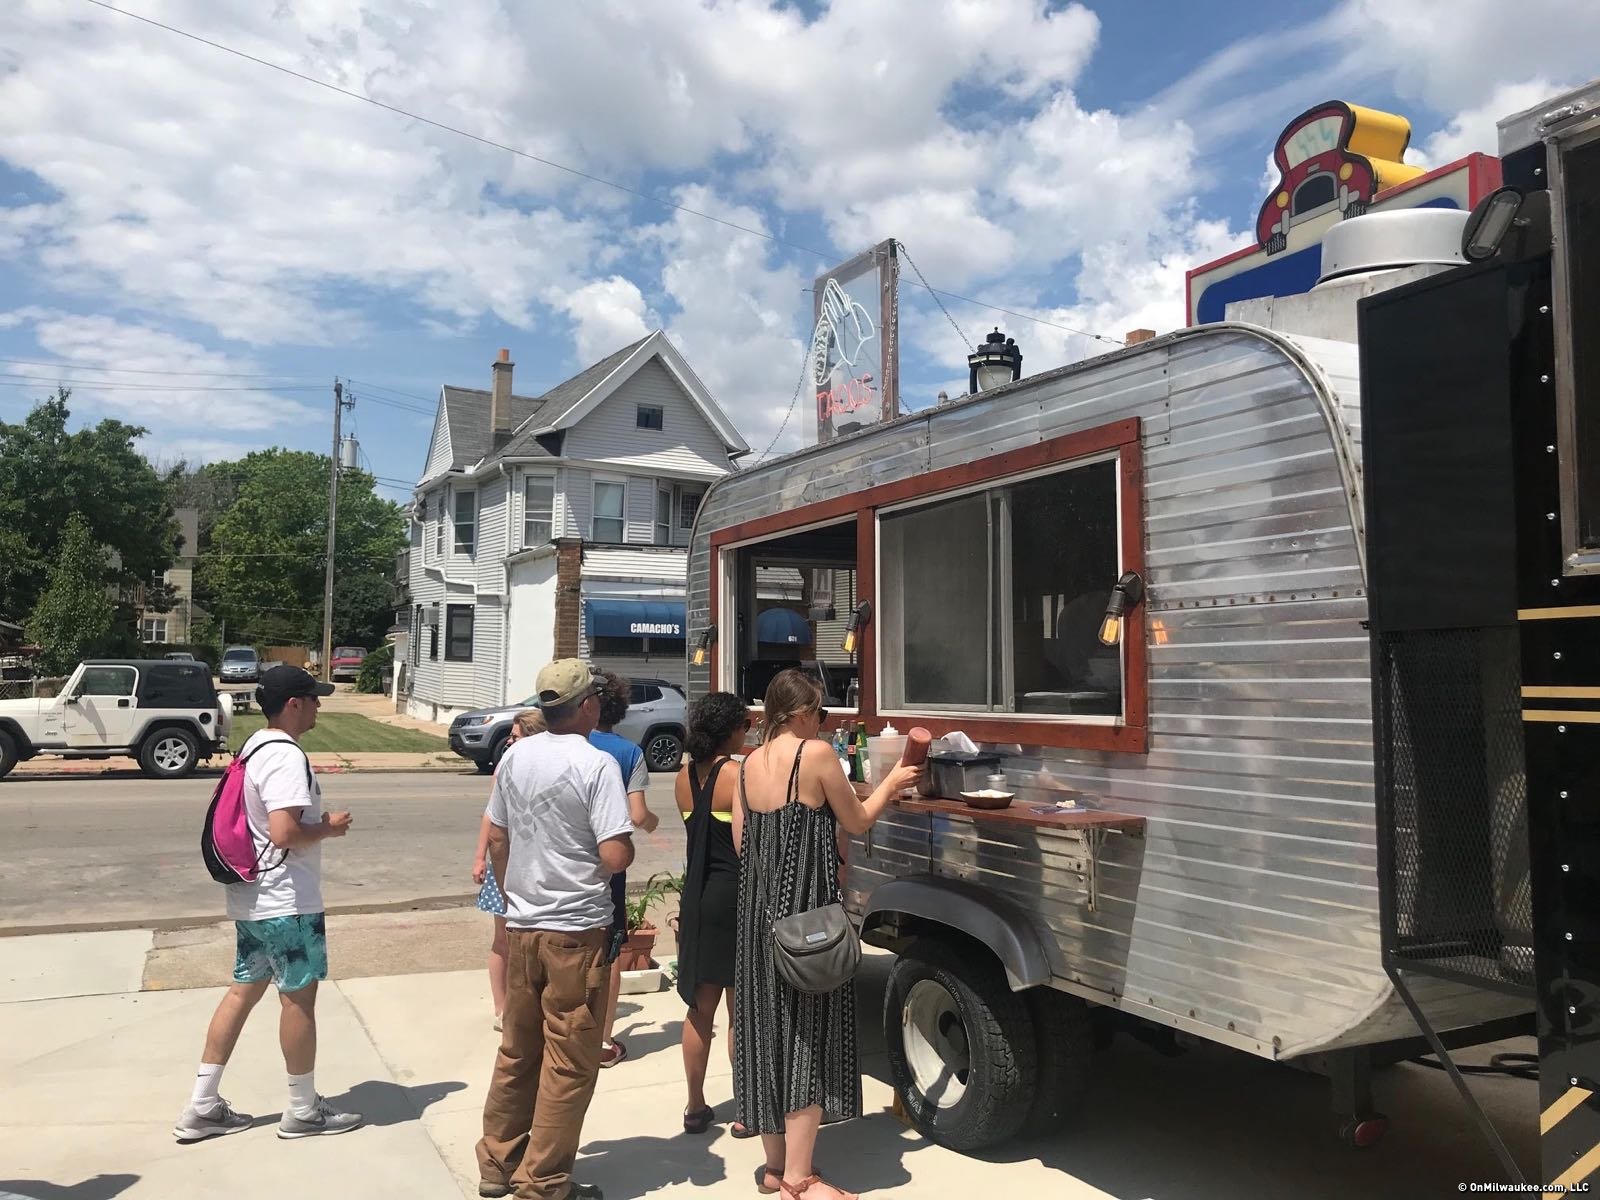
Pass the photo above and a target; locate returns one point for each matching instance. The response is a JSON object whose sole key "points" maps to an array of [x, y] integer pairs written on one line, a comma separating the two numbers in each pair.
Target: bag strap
{"points": [[244, 762]]}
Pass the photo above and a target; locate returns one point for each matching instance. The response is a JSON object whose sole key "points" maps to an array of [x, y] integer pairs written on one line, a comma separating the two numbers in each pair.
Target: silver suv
{"points": [[240, 664], [655, 723]]}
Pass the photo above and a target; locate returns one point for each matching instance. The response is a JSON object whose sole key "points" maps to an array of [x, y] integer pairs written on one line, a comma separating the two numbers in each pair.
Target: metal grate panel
{"points": [[1453, 805]]}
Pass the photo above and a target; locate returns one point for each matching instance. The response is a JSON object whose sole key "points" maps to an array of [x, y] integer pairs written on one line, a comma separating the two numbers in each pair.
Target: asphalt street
{"points": [[124, 850]]}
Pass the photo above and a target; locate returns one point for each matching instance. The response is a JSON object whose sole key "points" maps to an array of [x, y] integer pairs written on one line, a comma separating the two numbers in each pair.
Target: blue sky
{"points": [[177, 225]]}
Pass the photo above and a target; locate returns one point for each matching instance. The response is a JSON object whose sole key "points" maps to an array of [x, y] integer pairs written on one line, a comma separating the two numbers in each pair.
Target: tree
{"points": [[262, 571], [73, 619], [47, 474]]}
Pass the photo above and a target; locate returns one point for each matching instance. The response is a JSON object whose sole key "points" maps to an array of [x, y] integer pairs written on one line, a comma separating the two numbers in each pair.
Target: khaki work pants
{"points": [[549, 1058]]}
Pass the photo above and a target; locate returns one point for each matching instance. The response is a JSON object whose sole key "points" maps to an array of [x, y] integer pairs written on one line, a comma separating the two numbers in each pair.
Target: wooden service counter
{"points": [[1079, 827]]}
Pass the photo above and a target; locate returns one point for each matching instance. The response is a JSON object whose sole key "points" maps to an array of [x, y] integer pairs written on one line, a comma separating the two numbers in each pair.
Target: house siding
{"points": [[655, 566], [440, 453], [685, 444]]}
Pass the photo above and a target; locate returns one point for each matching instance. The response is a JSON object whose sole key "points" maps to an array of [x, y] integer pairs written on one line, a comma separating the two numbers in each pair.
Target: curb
{"points": [[215, 773]]}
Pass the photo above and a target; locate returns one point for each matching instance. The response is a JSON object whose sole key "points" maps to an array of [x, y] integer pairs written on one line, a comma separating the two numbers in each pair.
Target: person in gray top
{"points": [[559, 807]]}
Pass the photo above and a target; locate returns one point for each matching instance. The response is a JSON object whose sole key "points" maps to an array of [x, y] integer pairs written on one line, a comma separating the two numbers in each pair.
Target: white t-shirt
{"points": [[558, 798], [276, 777]]}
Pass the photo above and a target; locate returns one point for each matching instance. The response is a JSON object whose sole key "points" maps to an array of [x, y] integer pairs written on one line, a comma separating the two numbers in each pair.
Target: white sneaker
{"points": [[324, 1119], [194, 1126]]}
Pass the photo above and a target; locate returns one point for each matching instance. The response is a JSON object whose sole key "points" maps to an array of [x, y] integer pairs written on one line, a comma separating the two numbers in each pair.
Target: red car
{"points": [[346, 662], [1334, 157]]}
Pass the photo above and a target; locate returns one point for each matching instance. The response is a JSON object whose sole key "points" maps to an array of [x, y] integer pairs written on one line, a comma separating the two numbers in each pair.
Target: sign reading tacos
{"points": [[854, 354]]}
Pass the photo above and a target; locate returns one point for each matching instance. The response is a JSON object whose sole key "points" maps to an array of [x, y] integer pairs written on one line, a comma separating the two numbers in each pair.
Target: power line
{"points": [[95, 385], [396, 404], [960, 332], [68, 364], [382, 388], [547, 162]]}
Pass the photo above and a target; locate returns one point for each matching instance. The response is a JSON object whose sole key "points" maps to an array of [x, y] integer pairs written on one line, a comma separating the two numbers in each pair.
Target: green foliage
{"points": [[73, 619], [657, 887], [370, 677], [261, 566], [47, 475]]}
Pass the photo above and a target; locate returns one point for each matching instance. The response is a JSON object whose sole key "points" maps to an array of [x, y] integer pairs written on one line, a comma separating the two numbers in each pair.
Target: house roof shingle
{"points": [[555, 403], [467, 414]]}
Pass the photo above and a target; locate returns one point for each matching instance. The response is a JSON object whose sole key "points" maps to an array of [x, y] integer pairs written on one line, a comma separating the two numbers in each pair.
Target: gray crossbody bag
{"points": [[816, 951]]}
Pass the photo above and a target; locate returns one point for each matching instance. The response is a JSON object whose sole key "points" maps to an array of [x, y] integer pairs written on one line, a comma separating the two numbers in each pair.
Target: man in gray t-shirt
{"points": [[558, 804]]}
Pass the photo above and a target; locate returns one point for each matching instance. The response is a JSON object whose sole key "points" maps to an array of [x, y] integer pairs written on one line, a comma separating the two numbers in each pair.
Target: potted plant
{"points": [[641, 941]]}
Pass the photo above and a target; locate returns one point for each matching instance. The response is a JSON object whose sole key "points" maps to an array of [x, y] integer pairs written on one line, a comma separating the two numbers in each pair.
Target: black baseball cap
{"points": [[283, 683]]}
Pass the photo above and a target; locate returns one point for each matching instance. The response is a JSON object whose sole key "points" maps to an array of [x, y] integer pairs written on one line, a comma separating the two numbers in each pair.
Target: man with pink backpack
{"points": [[263, 839]]}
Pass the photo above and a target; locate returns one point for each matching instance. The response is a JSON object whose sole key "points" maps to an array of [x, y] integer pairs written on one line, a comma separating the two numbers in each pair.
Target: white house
{"points": [[557, 526]]}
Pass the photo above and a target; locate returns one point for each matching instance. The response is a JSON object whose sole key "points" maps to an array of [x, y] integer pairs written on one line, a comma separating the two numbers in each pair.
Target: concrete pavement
{"points": [[94, 1081], [87, 854]]}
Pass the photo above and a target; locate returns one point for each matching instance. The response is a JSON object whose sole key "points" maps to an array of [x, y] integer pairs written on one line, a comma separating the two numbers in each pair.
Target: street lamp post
{"points": [[994, 364]]}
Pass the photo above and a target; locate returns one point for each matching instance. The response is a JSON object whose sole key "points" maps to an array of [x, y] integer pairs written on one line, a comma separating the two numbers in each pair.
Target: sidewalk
{"points": [[95, 1073]]}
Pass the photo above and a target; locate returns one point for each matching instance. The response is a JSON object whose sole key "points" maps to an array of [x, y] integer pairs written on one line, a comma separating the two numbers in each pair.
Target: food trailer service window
{"points": [[1575, 202], [986, 572]]}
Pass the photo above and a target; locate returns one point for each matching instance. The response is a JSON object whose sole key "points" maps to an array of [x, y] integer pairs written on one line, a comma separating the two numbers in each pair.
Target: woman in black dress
{"points": [[794, 1054], [707, 920]]}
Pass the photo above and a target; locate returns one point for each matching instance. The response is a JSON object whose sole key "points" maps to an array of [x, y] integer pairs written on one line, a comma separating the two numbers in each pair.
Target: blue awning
{"points": [[783, 626], [635, 618]]}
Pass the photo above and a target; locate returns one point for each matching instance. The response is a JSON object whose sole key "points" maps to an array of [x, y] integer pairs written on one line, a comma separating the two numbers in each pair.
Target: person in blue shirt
{"points": [[615, 696]]}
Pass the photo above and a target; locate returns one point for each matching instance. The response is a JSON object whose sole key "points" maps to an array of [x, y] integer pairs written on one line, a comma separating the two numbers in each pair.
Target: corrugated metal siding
{"points": [[685, 443], [1250, 906]]}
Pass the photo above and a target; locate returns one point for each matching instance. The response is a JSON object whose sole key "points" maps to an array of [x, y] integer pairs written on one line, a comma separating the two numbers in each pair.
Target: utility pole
{"points": [[339, 405]]}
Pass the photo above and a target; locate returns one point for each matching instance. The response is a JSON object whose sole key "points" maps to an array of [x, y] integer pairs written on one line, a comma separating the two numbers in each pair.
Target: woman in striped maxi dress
{"points": [[795, 1055]]}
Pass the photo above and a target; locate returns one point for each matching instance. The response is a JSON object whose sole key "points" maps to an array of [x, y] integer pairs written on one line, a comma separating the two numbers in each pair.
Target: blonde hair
{"points": [[529, 722], [792, 693]]}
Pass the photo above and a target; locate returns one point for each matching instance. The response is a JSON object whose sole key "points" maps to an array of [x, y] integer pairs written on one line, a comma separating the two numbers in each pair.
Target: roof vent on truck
{"points": [[1388, 241]]}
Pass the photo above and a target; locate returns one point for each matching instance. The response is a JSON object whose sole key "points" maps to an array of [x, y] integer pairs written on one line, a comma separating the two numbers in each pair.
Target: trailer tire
{"points": [[1063, 1029], [969, 1032]]}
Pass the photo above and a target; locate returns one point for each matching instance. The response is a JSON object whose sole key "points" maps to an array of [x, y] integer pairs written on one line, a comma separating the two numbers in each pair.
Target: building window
{"points": [[663, 516], [650, 416], [438, 527], [610, 507], [1023, 572], [466, 522], [538, 509], [433, 632], [154, 630], [458, 633], [416, 635], [688, 509]]}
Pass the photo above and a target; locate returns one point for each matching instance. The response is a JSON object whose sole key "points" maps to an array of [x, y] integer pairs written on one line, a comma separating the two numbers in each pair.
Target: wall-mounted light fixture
{"points": [[858, 621], [708, 639], [1125, 594]]}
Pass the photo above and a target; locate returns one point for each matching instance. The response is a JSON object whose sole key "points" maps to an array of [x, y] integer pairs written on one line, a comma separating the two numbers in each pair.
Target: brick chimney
{"points": [[1132, 338], [500, 402]]}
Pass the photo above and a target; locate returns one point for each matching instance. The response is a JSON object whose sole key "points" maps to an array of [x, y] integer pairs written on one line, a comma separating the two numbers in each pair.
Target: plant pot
{"points": [[636, 950]]}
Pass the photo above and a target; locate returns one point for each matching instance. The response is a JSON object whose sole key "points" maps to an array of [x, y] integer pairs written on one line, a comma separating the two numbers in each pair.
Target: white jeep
{"points": [[165, 714]]}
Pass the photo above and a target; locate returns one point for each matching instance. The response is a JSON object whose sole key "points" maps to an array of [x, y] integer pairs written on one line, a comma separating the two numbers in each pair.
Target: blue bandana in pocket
{"points": [[490, 899]]}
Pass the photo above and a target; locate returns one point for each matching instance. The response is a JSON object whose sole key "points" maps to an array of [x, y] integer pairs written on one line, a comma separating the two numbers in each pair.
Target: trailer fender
{"points": [[918, 905]]}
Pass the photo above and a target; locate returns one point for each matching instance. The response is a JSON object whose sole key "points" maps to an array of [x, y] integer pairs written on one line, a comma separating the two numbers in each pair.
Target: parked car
{"points": [[167, 715], [655, 722], [240, 664], [347, 662], [178, 656]]}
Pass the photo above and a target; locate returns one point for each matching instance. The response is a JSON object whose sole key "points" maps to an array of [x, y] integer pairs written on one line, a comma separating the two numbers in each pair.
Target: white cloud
{"points": [[147, 376], [609, 314], [1476, 129]]}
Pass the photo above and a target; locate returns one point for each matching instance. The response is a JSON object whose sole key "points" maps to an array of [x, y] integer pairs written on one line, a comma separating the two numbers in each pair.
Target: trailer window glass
{"points": [[793, 596], [992, 600]]}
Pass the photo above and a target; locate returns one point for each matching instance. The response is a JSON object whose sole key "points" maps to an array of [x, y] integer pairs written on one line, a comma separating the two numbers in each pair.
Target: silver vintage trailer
{"points": [[1216, 875]]}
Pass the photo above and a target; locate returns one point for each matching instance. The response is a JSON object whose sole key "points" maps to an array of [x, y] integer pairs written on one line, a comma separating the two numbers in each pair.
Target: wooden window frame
{"points": [[1130, 735]]}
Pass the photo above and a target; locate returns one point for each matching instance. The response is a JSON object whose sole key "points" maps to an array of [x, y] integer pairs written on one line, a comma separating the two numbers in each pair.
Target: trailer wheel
{"points": [[960, 1045], [1360, 1133], [1064, 1032]]}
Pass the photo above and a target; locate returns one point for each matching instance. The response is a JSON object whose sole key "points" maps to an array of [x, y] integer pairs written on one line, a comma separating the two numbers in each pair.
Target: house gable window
{"points": [[609, 523], [458, 633], [688, 509], [466, 522], [538, 509], [649, 416]]}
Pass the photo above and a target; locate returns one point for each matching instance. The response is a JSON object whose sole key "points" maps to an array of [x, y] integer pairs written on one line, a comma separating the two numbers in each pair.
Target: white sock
{"points": [[206, 1082], [303, 1094]]}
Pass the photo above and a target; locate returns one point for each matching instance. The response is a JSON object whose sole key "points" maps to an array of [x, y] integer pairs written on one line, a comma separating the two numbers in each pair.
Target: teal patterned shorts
{"points": [[291, 951]]}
